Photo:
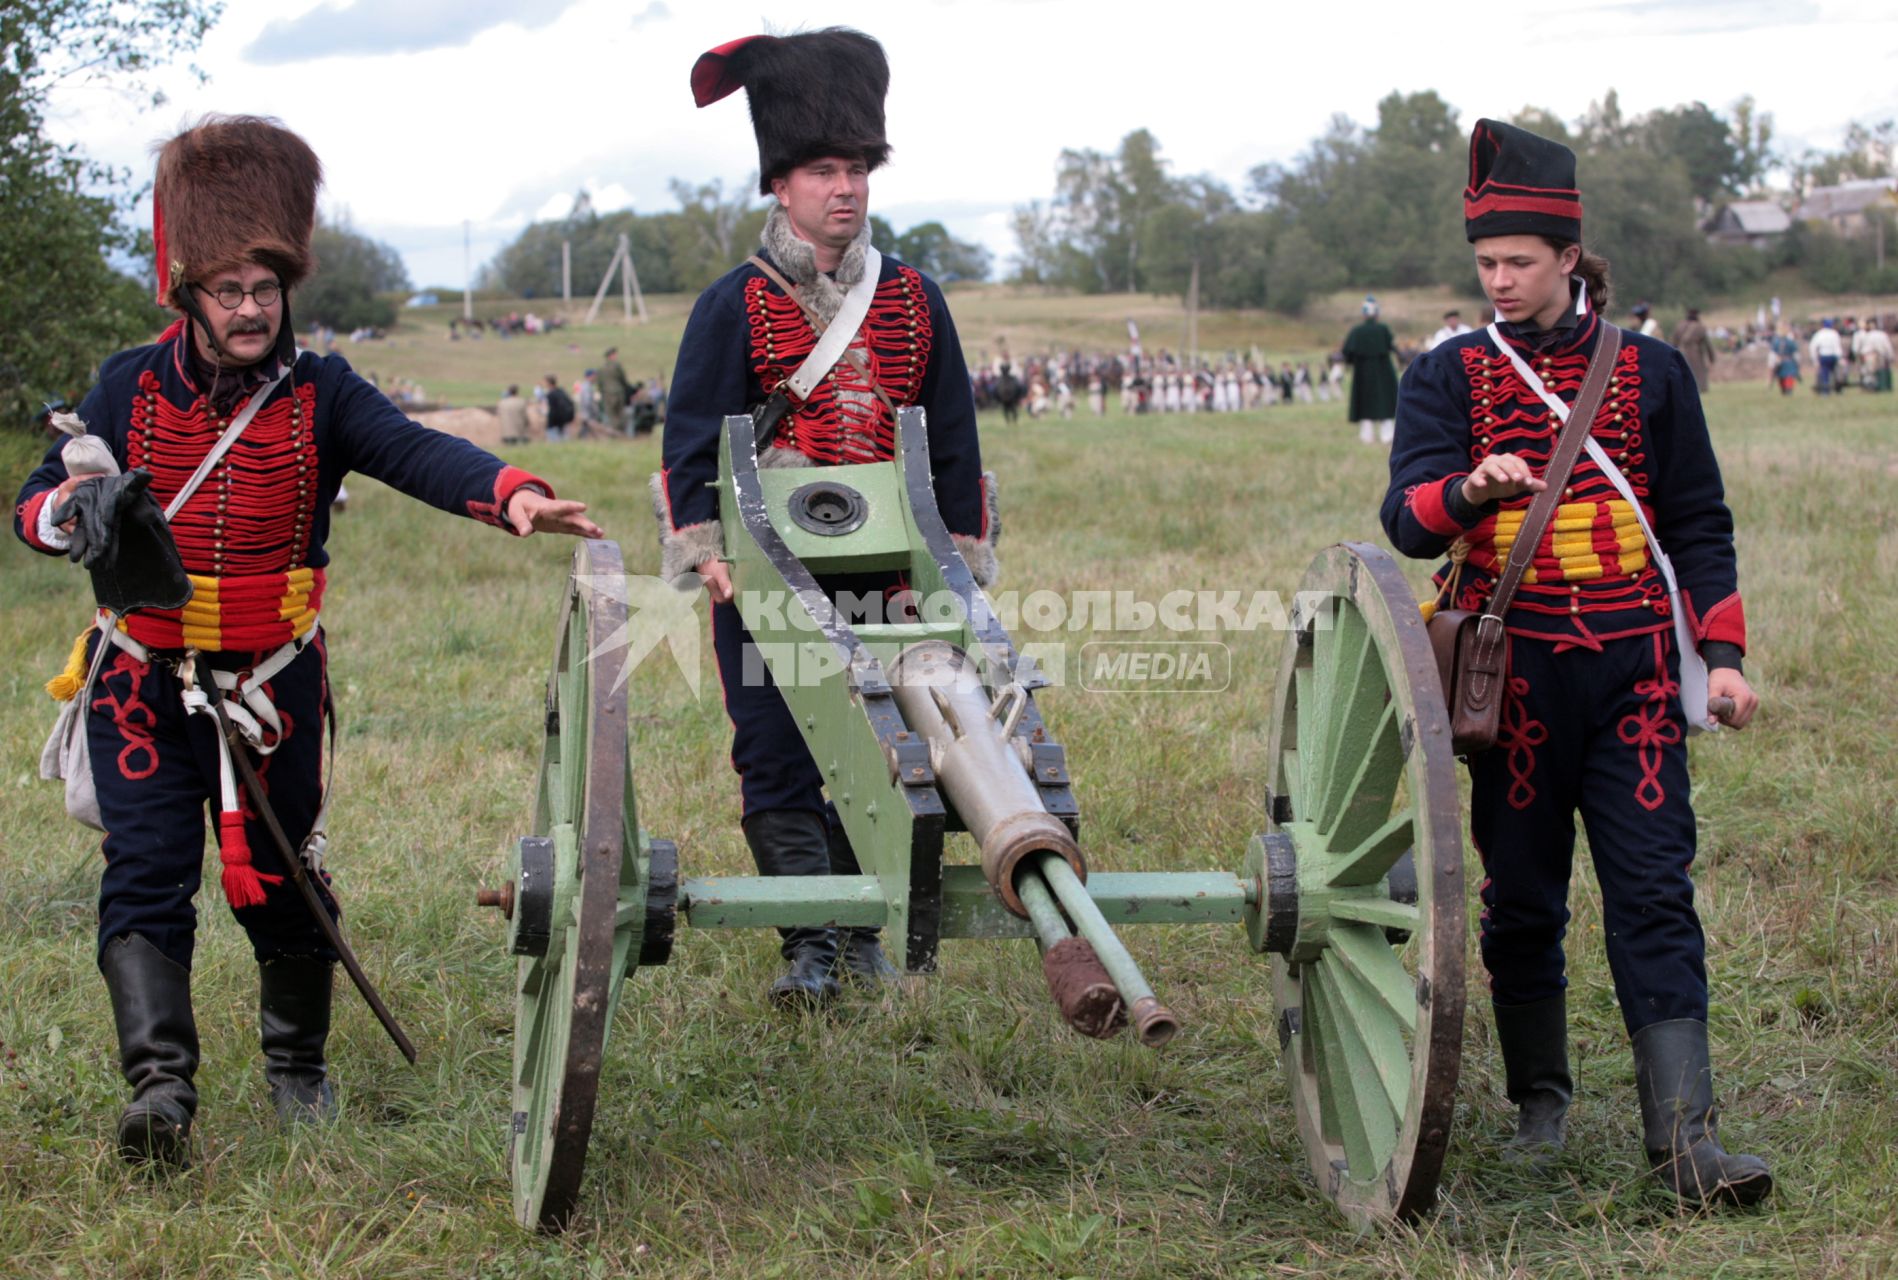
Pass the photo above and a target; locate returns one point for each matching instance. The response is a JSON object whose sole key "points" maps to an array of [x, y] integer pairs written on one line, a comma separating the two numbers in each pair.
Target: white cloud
{"points": [[537, 100]]}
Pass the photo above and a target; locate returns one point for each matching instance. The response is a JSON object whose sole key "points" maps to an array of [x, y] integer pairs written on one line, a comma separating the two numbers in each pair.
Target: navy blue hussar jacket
{"points": [[1592, 578], [252, 536], [746, 336]]}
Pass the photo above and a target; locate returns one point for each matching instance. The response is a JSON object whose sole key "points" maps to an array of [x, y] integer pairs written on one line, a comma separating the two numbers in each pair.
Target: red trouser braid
{"points": [[153, 801]]}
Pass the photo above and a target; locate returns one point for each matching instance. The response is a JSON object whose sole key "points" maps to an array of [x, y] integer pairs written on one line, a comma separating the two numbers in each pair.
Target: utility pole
{"points": [[566, 276], [1192, 319], [467, 270]]}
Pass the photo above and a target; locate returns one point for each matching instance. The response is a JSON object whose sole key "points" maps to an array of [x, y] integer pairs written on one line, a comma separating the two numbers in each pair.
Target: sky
{"points": [[429, 114]]}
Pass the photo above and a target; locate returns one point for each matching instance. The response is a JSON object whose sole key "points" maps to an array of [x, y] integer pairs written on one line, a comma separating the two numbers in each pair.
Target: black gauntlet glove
{"points": [[120, 536]]}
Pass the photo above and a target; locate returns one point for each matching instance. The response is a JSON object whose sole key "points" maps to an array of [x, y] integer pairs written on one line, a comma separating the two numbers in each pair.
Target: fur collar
{"points": [[797, 259]]}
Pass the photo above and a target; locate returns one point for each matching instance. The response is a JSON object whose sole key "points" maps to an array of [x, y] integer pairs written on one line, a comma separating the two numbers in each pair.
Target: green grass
{"points": [[1025, 320], [955, 1129]]}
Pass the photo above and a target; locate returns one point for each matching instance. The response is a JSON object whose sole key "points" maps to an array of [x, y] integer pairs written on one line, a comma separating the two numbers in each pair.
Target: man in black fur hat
{"points": [[817, 107]]}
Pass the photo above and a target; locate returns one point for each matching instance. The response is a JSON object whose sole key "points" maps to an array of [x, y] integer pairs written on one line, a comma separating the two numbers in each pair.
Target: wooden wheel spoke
{"points": [[1364, 801], [1381, 912], [1375, 1032], [1354, 708], [1305, 760], [1366, 1120], [1327, 646], [1362, 953], [1376, 853]]}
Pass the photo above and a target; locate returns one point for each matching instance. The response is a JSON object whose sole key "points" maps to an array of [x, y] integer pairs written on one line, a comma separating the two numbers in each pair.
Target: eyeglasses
{"points": [[230, 297]]}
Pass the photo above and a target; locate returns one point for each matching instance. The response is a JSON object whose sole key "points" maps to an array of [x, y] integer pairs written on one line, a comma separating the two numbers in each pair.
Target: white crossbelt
{"points": [[1693, 666], [842, 329], [249, 708]]}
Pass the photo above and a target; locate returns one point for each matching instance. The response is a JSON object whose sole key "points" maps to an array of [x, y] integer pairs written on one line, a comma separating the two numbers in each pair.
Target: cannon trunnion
{"points": [[924, 722]]}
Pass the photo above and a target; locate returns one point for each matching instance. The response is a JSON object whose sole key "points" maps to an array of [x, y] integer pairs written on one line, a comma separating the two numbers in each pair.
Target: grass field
{"points": [[1026, 320], [954, 1129]]}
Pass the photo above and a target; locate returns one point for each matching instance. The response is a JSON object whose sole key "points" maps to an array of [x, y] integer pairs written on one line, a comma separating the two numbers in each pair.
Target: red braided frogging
{"points": [[132, 715], [844, 421], [1505, 412], [1653, 728], [254, 513]]}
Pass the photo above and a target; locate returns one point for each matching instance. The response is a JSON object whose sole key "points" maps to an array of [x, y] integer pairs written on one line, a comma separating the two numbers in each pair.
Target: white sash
{"points": [[840, 331], [1693, 676]]}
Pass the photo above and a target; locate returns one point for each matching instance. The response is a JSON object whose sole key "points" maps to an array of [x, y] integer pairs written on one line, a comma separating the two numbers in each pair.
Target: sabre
{"points": [[299, 877]]}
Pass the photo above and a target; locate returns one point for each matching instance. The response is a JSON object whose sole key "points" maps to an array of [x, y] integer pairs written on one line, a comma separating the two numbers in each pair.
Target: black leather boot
{"points": [[1534, 1041], [1674, 1078], [158, 1050], [795, 842], [294, 1017], [860, 956]]}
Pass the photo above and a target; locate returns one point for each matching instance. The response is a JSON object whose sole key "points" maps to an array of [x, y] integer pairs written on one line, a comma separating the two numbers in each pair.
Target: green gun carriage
{"points": [[1353, 888]]}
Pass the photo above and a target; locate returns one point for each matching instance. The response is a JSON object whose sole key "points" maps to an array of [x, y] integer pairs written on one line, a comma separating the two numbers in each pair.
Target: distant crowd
{"points": [[1058, 384], [603, 403], [1842, 352]]}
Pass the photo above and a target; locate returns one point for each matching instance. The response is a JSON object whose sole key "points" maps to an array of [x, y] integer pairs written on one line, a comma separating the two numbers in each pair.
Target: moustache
{"points": [[248, 326]]}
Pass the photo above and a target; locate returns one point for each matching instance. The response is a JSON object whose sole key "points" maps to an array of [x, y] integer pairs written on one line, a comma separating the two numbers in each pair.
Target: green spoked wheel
{"points": [[589, 898], [1362, 901]]}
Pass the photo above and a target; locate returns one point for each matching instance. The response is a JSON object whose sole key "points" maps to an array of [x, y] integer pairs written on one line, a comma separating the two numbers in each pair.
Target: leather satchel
{"points": [[1472, 648]]}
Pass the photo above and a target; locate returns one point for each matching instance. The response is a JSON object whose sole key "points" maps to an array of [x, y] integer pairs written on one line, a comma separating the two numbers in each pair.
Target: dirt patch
{"points": [[478, 426]]}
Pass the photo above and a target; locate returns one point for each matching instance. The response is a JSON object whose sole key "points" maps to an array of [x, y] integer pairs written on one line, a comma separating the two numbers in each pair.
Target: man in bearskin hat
{"points": [[1593, 717], [817, 109], [234, 207]]}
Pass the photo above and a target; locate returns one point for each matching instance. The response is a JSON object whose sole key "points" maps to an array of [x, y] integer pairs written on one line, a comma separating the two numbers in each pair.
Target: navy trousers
{"points": [[775, 769], [1598, 733], [156, 772]]}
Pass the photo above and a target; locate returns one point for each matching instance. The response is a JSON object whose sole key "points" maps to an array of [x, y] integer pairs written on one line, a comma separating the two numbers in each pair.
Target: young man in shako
{"points": [[817, 108], [234, 203], [1592, 719]]}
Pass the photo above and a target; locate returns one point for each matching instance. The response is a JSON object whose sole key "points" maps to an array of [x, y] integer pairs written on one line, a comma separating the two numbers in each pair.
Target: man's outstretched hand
{"points": [[531, 511]]}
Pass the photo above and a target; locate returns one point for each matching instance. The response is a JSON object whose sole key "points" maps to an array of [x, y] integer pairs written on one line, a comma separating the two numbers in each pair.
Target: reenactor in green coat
{"points": [[1369, 349]]}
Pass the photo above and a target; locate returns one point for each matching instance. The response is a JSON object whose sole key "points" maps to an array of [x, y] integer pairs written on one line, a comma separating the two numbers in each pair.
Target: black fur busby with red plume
{"points": [[233, 190], [813, 94]]}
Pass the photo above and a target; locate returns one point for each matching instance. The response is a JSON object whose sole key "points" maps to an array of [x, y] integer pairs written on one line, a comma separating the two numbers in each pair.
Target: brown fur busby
{"points": [[813, 94], [233, 190]]}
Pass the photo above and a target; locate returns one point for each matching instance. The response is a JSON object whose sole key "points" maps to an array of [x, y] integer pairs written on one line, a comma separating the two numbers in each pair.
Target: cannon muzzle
{"points": [[972, 746]]}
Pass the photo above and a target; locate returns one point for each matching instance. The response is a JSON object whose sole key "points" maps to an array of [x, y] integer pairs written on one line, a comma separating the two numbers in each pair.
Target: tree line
{"points": [[1378, 206], [682, 250]]}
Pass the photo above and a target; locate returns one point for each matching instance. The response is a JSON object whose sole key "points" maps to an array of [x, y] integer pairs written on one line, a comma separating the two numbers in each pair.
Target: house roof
{"points": [[1754, 217], [1847, 198]]}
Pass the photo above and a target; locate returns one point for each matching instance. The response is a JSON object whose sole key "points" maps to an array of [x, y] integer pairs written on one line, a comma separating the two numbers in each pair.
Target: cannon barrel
{"points": [[1029, 856], [970, 736]]}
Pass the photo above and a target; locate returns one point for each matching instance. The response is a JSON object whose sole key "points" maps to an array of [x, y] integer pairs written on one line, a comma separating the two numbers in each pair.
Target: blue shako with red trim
{"points": [[1520, 184]]}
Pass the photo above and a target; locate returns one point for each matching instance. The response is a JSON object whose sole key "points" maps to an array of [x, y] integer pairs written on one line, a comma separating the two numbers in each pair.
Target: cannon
{"points": [[928, 723]]}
